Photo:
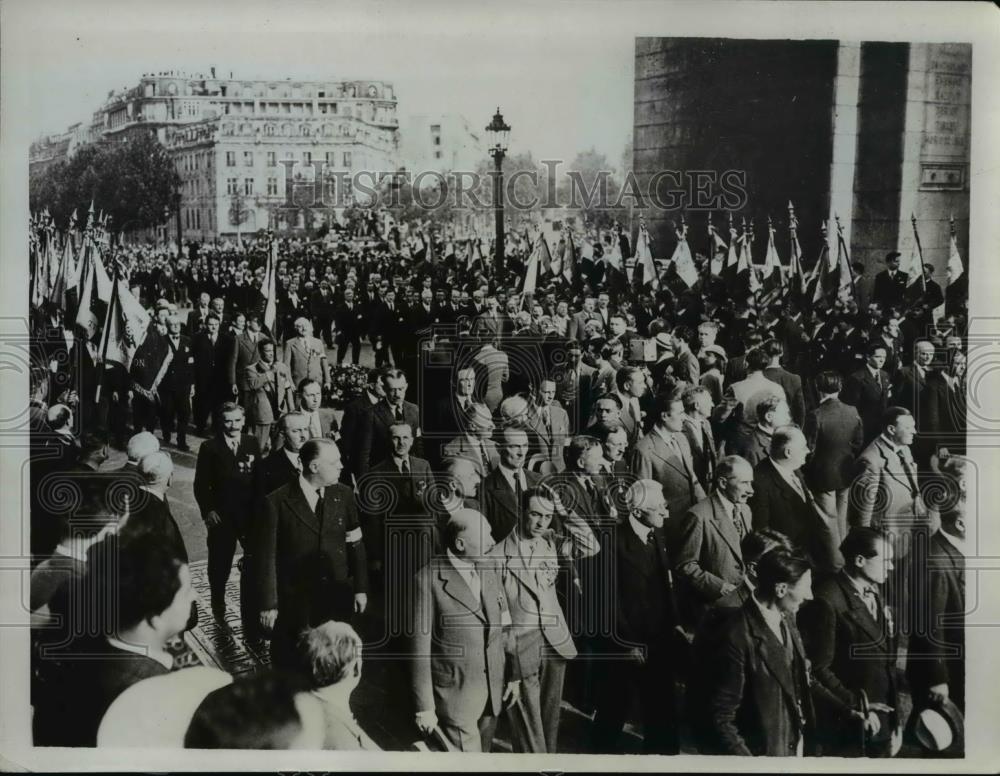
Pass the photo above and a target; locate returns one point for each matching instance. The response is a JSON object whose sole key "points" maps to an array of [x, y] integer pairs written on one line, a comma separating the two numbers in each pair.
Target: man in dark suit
{"points": [[223, 488], [502, 489], [149, 511], [446, 418], [909, 387], [890, 283], [706, 557], [311, 564], [209, 360], [782, 501], [145, 374], [868, 390], [175, 388], [685, 363], [196, 318], [835, 436], [374, 440], [353, 419], [351, 324], [791, 382], [464, 656], [936, 655], [753, 443], [846, 636], [153, 595], [394, 543], [243, 350], [758, 697], [698, 409], [644, 630], [282, 465]]}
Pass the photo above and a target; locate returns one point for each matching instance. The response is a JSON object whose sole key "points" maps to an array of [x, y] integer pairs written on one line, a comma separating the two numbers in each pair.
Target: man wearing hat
{"points": [[890, 283]]}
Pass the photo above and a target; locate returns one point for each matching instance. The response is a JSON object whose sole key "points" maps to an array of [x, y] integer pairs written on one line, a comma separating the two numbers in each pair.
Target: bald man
{"points": [[150, 511], [139, 446], [465, 668], [644, 635]]}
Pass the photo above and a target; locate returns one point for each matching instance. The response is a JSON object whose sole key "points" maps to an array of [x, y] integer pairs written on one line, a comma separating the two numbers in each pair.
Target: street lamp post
{"points": [[499, 137]]}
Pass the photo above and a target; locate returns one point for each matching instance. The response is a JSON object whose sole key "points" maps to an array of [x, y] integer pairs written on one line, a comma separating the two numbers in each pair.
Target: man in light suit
{"points": [[476, 443], [835, 436], [502, 490], [698, 430], [311, 564], [551, 423], [665, 456], [247, 336], [754, 444], [686, 367], [530, 559], [464, 658], [374, 444], [268, 391], [578, 323], [305, 356], [885, 495], [750, 391], [707, 559], [310, 397]]}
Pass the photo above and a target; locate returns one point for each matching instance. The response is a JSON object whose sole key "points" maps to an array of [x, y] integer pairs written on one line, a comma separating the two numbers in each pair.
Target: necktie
{"points": [[870, 597], [741, 529], [234, 445], [483, 457], [472, 579], [319, 506], [797, 486], [905, 461], [518, 488], [398, 413], [546, 420]]}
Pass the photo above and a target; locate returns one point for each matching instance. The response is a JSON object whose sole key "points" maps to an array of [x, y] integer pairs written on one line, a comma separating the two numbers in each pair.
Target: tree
{"points": [[134, 180], [591, 186]]}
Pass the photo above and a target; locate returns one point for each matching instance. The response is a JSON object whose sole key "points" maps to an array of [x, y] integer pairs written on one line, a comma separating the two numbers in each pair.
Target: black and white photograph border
{"points": [[905, 165]]}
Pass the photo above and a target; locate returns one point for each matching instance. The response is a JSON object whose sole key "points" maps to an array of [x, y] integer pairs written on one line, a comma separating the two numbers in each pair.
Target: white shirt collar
{"points": [[728, 505], [954, 541], [153, 653], [464, 567], [641, 529], [293, 458], [159, 496], [859, 584], [509, 475], [311, 492], [70, 551], [771, 616]]}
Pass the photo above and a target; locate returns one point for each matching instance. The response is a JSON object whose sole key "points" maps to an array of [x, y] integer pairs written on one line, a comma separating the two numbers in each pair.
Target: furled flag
{"points": [[821, 278], [270, 288], [476, 253], [538, 254], [916, 283], [586, 250], [771, 273], [719, 250], [96, 287], [682, 261], [746, 275], [125, 326], [955, 267], [731, 267], [645, 267], [613, 255], [796, 279], [66, 270], [845, 275], [569, 259]]}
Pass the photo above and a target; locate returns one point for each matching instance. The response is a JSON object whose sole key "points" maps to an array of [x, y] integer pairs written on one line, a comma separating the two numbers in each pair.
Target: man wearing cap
{"points": [[890, 283]]}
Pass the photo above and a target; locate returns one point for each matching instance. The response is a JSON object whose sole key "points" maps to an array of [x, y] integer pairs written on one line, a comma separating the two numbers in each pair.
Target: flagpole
{"points": [[841, 243], [920, 252]]}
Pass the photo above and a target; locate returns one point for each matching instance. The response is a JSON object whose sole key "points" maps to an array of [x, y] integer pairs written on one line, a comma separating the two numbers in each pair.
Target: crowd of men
{"points": [[729, 526]]}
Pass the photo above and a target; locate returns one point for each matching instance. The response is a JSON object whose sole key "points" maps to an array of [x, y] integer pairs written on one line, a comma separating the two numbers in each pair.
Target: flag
{"points": [[96, 288], [125, 326], [613, 256], [476, 253], [569, 260], [731, 268], [269, 287], [645, 268], [586, 250], [823, 272], [682, 261], [747, 281], [955, 267], [540, 252], [771, 273], [719, 250], [796, 278], [845, 275], [916, 284]]}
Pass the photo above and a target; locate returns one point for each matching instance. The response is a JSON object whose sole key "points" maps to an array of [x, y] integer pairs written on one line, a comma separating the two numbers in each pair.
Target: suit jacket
{"points": [[462, 656], [851, 652], [459, 447], [306, 357], [350, 323], [304, 563], [869, 397], [350, 428], [750, 391], [530, 584], [576, 393], [374, 440], [655, 460], [835, 436], [150, 515], [223, 482], [209, 362], [882, 496], [553, 437], [645, 611], [273, 471], [196, 322], [758, 699], [908, 388], [592, 507], [708, 554], [343, 733], [704, 452], [406, 504], [578, 324], [499, 506], [890, 292], [936, 655], [180, 374], [775, 504], [80, 690], [261, 385], [245, 354], [686, 367], [791, 383], [749, 442]]}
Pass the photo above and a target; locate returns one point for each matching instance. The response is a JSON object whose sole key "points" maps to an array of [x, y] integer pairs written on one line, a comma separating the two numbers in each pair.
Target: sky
{"points": [[562, 78]]}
